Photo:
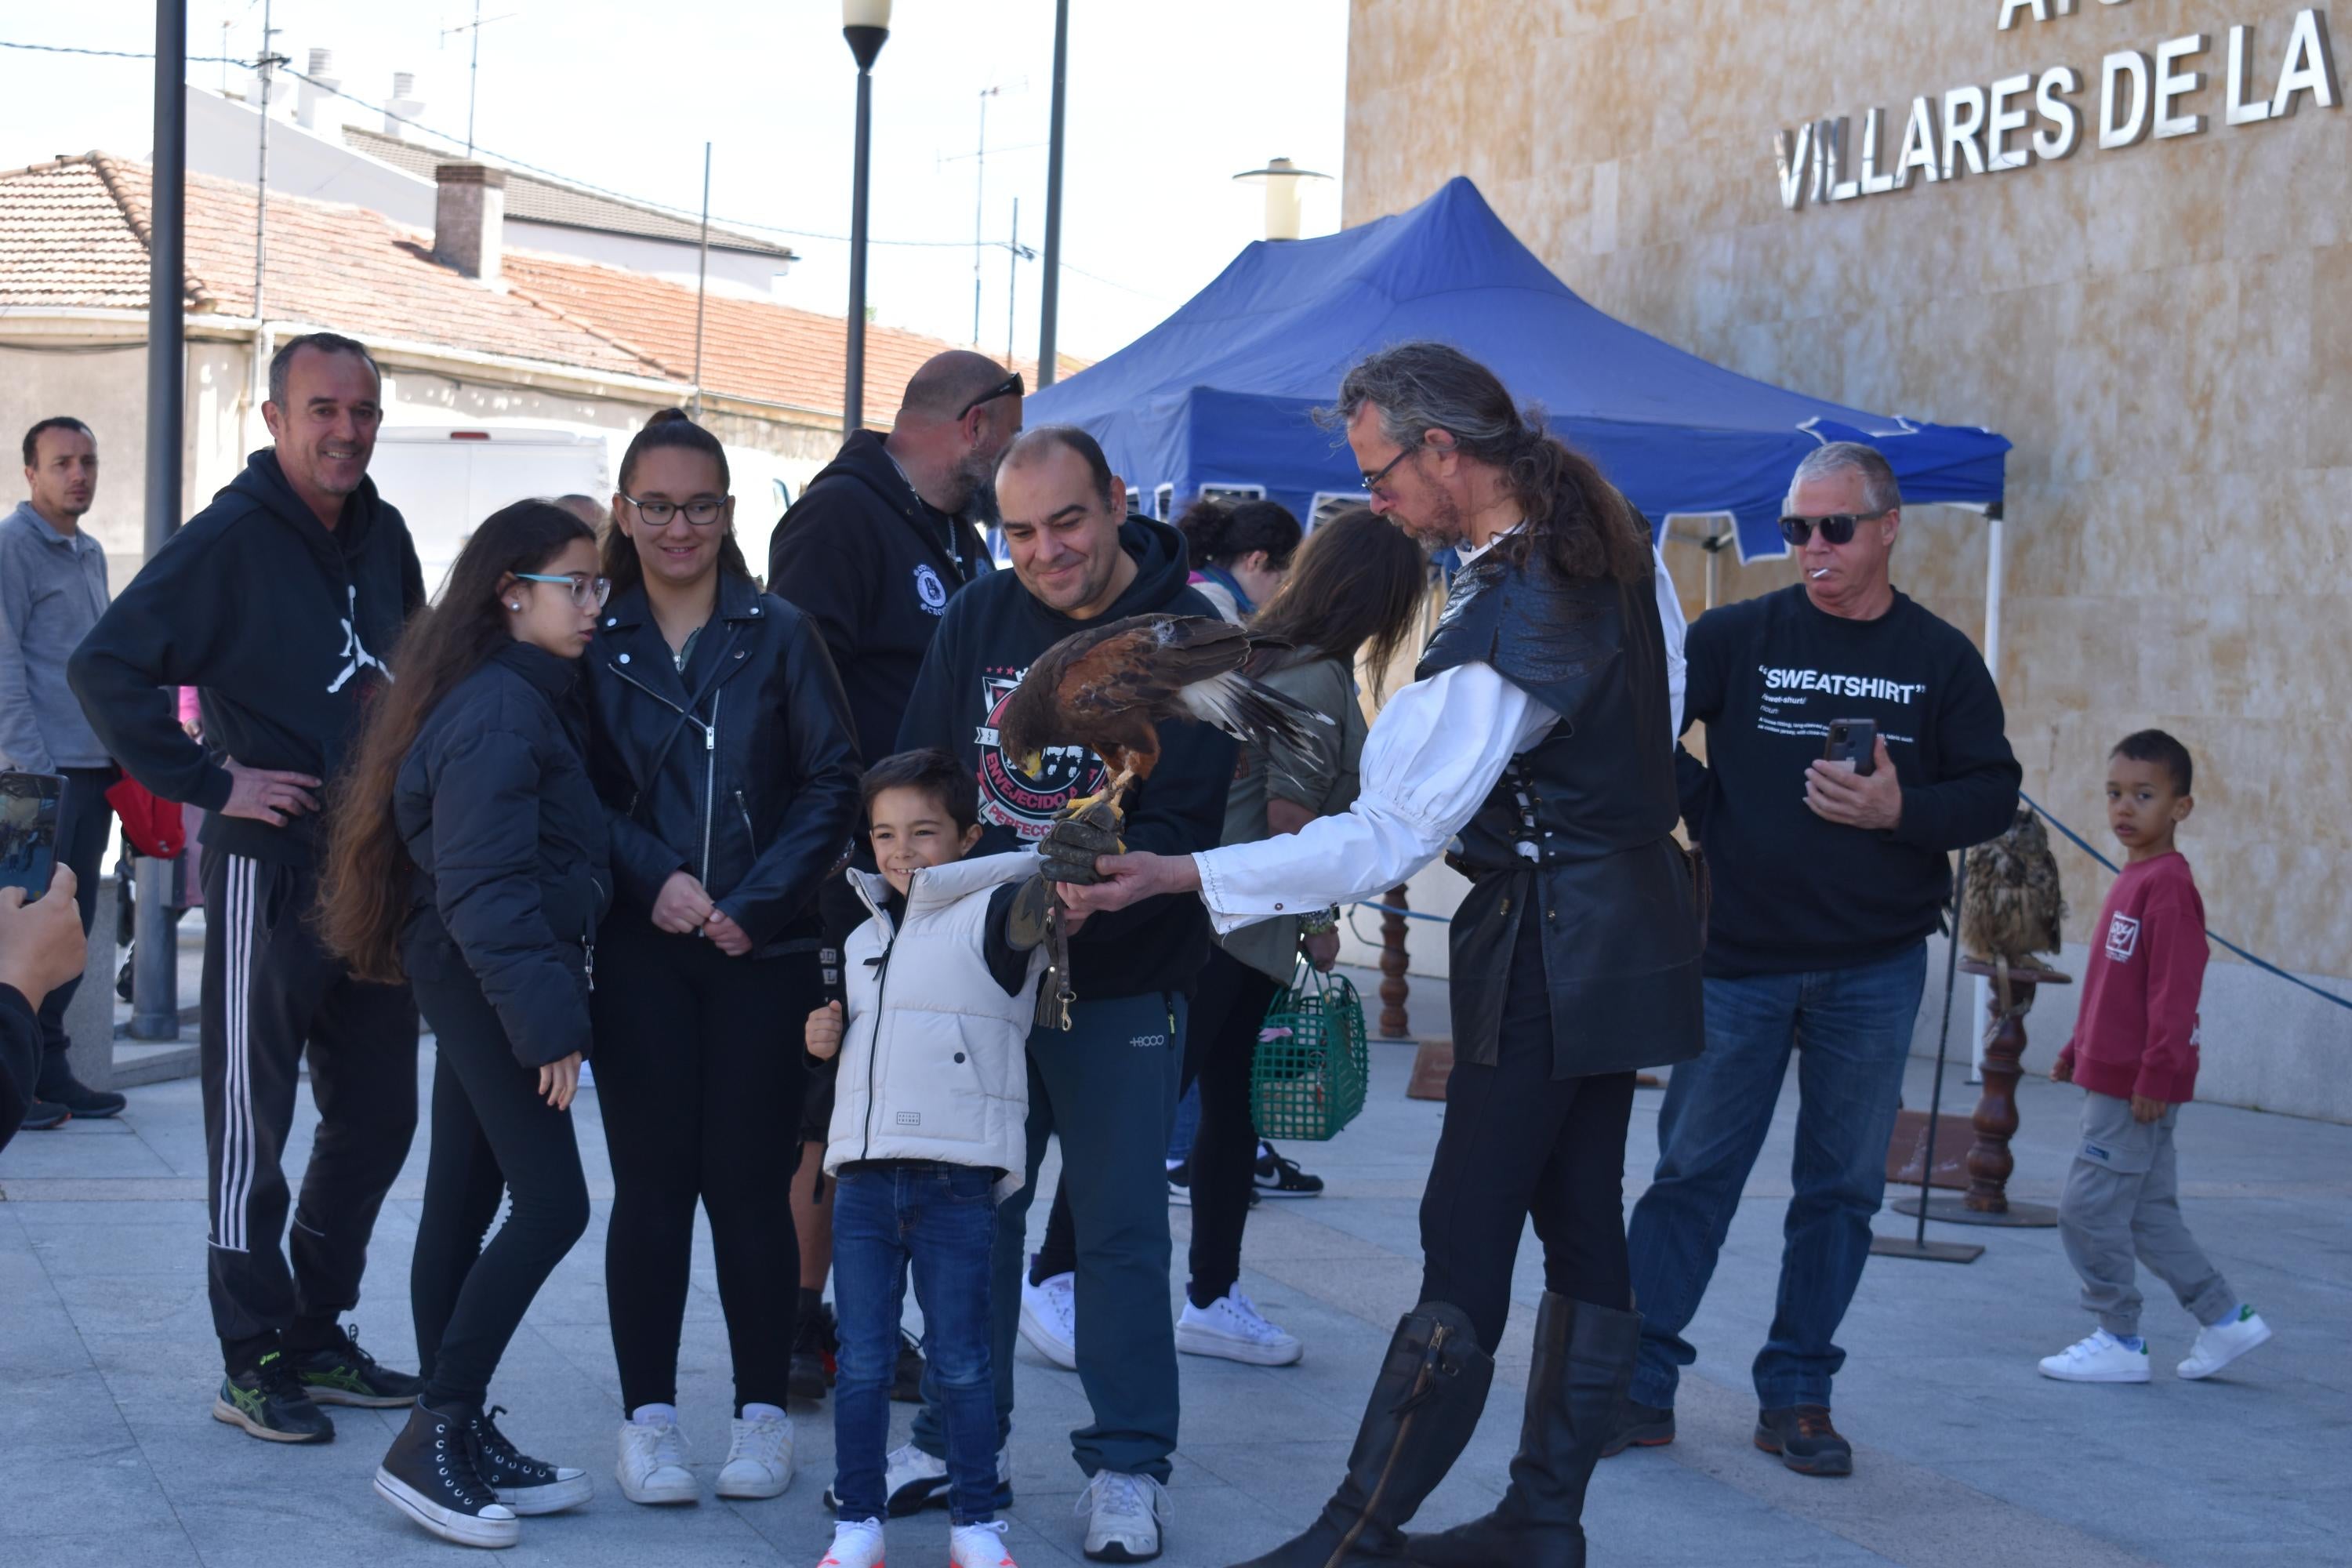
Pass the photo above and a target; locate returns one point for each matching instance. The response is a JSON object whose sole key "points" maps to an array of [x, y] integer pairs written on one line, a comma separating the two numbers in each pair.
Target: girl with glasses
{"points": [[721, 745], [467, 858]]}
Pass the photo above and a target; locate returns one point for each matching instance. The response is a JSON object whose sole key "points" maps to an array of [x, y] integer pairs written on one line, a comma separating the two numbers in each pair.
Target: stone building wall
{"points": [[2164, 330]]}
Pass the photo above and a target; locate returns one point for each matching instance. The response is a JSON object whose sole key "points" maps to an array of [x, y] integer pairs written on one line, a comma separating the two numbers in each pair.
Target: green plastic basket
{"points": [[1308, 1080]]}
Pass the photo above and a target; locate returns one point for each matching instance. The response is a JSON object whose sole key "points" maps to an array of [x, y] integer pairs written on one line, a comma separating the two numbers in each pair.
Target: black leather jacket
{"points": [[740, 770], [509, 838], [1578, 832]]}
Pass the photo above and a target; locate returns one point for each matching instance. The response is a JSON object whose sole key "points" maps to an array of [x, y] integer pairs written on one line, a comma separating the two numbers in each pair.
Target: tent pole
{"points": [[1983, 1000]]}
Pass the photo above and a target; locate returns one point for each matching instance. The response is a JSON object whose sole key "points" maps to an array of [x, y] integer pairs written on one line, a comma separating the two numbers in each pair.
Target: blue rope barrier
{"points": [[2263, 964]]}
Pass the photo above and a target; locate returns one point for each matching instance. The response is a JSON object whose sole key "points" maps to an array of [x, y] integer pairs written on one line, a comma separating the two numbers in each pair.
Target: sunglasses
{"points": [[1011, 386], [1837, 528], [1372, 481], [585, 590]]}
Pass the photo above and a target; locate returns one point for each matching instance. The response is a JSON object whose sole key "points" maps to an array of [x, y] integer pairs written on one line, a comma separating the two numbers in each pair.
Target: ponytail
{"points": [[667, 428]]}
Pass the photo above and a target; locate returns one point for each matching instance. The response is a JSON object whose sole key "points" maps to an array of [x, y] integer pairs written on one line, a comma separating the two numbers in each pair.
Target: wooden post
{"points": [[1395, 989], [1989, 1161]]}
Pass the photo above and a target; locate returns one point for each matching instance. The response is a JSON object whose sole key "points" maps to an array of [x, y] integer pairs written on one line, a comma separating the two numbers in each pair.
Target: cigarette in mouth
{"points": [[1820, 573]]}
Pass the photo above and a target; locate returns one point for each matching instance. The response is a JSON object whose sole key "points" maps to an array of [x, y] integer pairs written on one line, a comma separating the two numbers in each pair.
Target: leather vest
{"points": [[1578, 832]]}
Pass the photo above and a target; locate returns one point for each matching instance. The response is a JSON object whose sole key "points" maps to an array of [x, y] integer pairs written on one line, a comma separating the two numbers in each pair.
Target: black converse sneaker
{"points": [[268, 1402], [428, 1475], [340, 1373], [525, 1485]]}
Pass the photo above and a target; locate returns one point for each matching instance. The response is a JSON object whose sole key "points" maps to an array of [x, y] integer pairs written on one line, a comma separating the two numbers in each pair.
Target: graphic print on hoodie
{"points": [[287, 627]]}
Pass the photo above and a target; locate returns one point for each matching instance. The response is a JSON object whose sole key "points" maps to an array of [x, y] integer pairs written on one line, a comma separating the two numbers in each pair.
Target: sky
{"points": [[1165, 103]]}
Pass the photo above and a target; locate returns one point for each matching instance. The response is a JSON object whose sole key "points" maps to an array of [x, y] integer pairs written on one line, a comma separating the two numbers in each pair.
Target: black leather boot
{"points": [[1424, 1406], [1583, 1364]]}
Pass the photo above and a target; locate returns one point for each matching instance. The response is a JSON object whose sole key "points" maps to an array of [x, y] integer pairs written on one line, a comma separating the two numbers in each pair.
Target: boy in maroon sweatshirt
{"points": [[2135, 1054]]}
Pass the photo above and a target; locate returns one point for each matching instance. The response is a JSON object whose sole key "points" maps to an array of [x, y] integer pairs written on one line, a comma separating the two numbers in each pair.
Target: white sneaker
{"points": [[912, 1481], [655, 1465], [2100, 1358], [1232, 1326], [977, 1546], [855, 1544], [1123, 1515], [759, 1459], [1049, 1319], [2222, 1343]]}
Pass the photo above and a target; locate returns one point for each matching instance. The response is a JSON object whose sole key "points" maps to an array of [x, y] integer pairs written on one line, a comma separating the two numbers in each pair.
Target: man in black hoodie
{"points": [[280, 603], [1108, 1086], [872, 551]]}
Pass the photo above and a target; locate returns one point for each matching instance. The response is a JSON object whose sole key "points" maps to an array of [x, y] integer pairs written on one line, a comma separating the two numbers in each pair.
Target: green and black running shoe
{"points": [[340, 1373], [268, 1402]]}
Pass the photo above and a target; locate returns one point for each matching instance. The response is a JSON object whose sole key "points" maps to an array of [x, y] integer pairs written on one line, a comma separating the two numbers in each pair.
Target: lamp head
{"points": [[867, 24]]}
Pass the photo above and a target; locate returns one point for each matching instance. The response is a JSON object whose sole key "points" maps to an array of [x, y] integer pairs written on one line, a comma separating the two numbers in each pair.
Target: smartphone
{"points": [[28, 830], [1854, 741]]}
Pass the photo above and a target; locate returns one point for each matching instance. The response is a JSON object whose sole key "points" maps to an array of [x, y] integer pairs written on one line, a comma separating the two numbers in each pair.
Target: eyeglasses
{"points": [[587, 592], [1011, 386], [1372, 481], [658, 513], [1837, 528]]}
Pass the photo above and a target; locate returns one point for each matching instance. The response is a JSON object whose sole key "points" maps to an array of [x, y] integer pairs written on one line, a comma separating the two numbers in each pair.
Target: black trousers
{"points": [[1521, 1144], [270, 991], [492, 1134], [1219, 1049], [699, 1068], [85, 822]]}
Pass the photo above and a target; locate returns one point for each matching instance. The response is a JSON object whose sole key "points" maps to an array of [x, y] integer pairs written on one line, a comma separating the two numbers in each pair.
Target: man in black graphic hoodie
{"points": [[1107, 1087], [280, 602], [872, 551]]}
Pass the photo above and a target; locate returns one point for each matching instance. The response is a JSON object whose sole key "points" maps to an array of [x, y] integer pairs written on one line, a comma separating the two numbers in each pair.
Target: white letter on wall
{"points": [[1793, 153], [2010, 8], [2115, 131], [1961, 129], [2004, 122], [2063, 127], [1873, 182], [2310, 65], [1920, 140], [2171, 84], [2239, 109]]}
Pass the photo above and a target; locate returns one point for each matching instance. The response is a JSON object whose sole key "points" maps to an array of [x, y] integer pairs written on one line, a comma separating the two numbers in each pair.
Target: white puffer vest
{"points": [[934, 1061]]}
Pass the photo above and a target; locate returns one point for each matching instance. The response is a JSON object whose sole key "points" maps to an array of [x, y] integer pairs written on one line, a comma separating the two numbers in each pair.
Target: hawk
{"points": [[1108, 688]]}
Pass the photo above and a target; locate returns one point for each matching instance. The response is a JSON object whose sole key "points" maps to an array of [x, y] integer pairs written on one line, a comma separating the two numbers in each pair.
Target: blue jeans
{"points": [[1852, 1031], [941, 1219]]}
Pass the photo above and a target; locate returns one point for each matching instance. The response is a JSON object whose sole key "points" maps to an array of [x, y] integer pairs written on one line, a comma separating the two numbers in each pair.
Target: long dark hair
{"points": [[667, 428], [1355, 588], [1585, 529], [1217, 531], [364, 897]]}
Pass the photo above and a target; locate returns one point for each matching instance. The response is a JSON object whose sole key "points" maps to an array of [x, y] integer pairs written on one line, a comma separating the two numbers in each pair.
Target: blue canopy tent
{"points": [[1220, 392]]}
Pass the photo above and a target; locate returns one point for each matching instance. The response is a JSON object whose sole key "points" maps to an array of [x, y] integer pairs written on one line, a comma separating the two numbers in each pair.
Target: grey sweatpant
{"points": [[2122, 1199]]}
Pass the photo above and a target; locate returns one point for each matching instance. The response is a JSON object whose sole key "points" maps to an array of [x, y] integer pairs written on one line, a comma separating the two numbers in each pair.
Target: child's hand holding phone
{"points": [[823, 1033]]}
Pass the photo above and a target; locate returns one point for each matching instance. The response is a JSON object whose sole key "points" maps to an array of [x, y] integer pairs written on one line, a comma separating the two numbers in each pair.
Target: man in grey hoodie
{"points": [[52, 591]]}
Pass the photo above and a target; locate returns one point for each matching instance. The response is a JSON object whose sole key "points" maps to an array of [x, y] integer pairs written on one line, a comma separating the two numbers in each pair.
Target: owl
{"points": [[2012, 906]]}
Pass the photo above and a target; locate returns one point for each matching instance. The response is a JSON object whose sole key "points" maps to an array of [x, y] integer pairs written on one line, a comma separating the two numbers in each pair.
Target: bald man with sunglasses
{"points": [[1828, 876]]}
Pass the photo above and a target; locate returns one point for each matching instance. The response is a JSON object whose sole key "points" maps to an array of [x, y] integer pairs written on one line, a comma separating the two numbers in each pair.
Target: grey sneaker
{"points": [[1123, 1515]]}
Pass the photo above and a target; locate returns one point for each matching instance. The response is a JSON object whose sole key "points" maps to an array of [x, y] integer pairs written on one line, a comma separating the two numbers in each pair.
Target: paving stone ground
{"points": [[1964, 1455]]}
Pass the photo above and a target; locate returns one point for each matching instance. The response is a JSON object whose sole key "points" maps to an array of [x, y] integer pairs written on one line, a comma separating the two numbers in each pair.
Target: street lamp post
{"points": [[867, 24], [1283, 181]]}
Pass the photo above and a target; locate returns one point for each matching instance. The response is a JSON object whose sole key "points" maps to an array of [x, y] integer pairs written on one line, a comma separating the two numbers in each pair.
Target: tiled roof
{"points": [[73, 234], [534, 198]]}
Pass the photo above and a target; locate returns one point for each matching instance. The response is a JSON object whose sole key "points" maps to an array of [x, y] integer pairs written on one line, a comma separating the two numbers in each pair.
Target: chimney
{"points": [[470, 213], [319, 83], [403, 105]]}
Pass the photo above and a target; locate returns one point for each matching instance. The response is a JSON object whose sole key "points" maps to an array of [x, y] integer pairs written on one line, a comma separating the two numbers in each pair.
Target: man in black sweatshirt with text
{"points": [[1108, 1086], [1826, 883], [280, 602]]}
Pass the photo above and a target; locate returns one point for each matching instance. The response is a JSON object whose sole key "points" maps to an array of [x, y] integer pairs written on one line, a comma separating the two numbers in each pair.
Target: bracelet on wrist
{"points": [[1321, 923]]}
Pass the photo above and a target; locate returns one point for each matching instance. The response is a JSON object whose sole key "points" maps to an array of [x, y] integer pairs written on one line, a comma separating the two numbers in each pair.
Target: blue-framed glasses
{"points": [[587, 593]]}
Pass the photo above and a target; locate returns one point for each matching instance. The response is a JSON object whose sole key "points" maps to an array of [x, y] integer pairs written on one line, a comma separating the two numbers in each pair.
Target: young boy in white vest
{"points": [[929, 1134]]}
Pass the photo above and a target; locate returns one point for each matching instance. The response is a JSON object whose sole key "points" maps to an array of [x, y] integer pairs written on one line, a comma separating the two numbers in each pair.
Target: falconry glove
{"points": [[1071, 845]]}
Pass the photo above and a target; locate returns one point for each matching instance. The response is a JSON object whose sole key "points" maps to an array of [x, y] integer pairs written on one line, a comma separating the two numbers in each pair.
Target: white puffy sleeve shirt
{"points": [[1432, 757]]}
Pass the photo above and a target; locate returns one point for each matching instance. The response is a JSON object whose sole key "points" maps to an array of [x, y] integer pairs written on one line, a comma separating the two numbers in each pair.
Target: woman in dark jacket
{"points": [[721, 745], [482, 885]]}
